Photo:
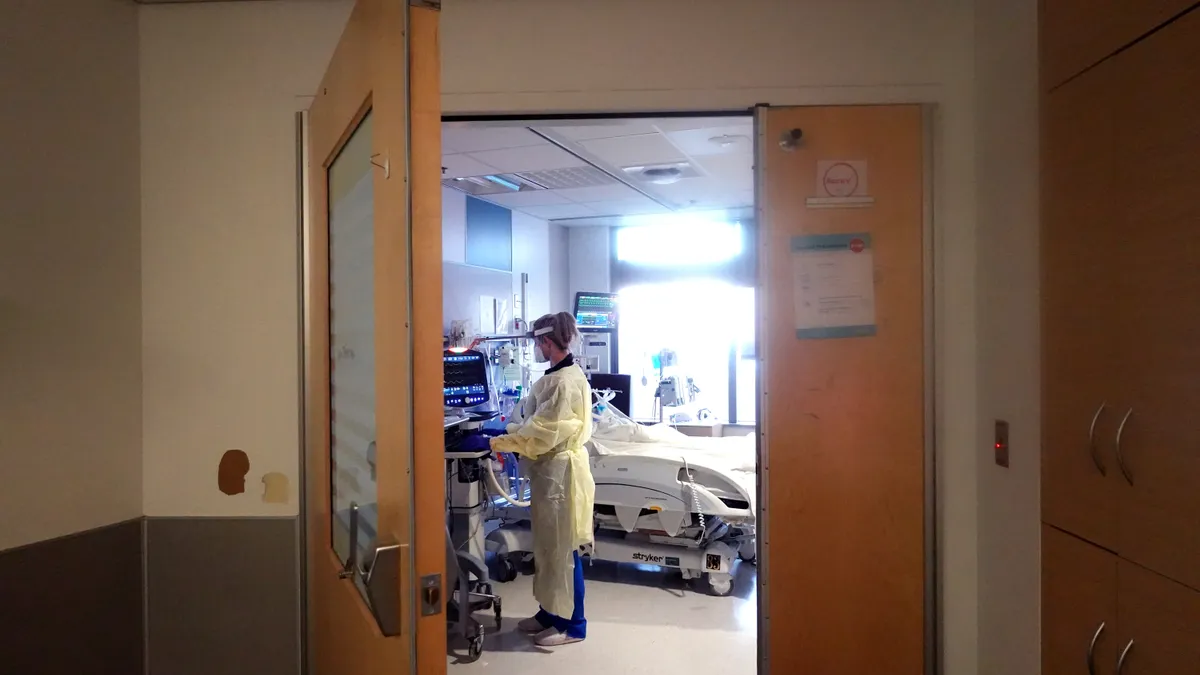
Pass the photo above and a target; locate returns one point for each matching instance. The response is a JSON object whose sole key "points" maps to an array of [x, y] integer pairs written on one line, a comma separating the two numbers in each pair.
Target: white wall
{"points": [[674, 55], [531, 255], [454, 226], [561, 298], [1006, 126], [531, 249], [220, 86], [589, 259], [70, 311]]}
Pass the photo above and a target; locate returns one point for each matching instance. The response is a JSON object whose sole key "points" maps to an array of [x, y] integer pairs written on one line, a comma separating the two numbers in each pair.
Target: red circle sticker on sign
{"points": [[857, 245], [840, 180]]}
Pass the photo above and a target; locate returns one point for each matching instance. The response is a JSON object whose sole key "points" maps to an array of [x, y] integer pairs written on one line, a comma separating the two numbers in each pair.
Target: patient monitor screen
{"points": [[464, 379], [595, 310]]}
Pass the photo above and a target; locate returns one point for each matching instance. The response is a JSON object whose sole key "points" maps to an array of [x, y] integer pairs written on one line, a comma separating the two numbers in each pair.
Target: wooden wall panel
{"points": [[1077, 34]]}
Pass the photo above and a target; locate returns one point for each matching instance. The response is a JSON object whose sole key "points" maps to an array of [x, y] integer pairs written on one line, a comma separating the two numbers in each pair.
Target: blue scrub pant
{"points": [[576, 626]]}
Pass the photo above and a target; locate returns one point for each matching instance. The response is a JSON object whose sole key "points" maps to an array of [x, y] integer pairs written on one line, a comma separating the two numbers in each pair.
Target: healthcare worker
{"points": [[561, 486]]}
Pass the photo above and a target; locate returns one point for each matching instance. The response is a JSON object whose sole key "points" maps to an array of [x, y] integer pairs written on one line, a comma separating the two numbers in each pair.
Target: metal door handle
{"points": [[1092, 440], [379, 577], [1091, 653], [1121, 457], [1124, 655]]}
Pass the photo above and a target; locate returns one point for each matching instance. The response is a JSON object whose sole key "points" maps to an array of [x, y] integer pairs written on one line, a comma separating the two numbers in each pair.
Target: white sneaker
{"points": [[530, 625], [552, 638]]}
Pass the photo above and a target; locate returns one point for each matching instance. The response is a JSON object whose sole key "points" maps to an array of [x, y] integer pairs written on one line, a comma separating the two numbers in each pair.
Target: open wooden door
{"points": [[844, 457], [376, 539]]}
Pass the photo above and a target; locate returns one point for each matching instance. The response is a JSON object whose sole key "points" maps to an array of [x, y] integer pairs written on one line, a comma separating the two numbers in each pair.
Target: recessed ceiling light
{"points": [[663, 175]]}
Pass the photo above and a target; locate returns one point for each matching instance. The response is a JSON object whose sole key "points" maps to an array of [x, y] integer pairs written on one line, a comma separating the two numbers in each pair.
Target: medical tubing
{"points": [[505, 494], [695, 496]]}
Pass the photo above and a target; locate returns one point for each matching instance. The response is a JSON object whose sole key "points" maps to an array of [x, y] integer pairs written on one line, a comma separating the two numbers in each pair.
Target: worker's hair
{"points": [[564, 328]]}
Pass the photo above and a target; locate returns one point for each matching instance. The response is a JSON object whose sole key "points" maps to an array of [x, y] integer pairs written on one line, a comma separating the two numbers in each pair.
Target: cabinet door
{"points": [[1079, 595], [1079, 252], [1158, 178], [1079, 33], [1162, 618]]}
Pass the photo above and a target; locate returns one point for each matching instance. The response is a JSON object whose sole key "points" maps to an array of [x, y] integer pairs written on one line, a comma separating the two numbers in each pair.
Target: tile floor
{"points": [[640, 620]]}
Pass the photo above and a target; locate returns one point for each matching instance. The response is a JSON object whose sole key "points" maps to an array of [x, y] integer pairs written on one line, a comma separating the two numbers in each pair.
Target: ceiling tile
{"points": [[526, 198], [553, 211], [634, 150], [463, 166], [628, 207], [727, 181], [705, 193], [584, 131], [531, 158], [476, 139], [602, 193], [698, 142], [669, 124], [731, 172]]}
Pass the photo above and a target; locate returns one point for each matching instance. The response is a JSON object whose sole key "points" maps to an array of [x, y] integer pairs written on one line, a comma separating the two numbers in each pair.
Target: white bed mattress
{"points": [[617, 435], [735, 453]]}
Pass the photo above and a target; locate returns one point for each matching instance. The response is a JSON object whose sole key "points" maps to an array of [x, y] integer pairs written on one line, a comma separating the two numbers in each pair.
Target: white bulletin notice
{"points": [[834, 286]]}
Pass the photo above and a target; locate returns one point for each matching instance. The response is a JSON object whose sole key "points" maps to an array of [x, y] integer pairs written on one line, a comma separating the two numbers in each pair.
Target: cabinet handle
{"points": [[1121, 457], [1124, 655], [1092, 441], [1091, 655]]}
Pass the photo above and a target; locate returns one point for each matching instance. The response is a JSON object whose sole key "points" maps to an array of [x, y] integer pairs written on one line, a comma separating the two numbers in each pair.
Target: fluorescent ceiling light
{"points": [[678, 240]]}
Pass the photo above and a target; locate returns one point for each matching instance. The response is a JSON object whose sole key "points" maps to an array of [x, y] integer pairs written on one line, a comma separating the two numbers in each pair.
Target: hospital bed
{"points": [[662, 498]]}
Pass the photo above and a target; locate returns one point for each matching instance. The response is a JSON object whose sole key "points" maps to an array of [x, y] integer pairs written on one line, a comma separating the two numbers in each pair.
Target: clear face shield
{"points": [[538, 356]]}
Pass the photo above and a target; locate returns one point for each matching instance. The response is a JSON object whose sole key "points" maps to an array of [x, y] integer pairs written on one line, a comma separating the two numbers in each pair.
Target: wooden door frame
{"points": [[933, 603], [932, 517]]}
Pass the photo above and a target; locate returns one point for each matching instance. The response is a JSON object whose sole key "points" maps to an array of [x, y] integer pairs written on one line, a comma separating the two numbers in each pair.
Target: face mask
{"points": [[538, 356]]}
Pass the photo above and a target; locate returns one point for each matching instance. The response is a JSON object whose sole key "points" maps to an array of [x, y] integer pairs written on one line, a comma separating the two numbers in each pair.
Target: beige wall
{"points": [[1006, 125], [70, 311], [218, 85]]}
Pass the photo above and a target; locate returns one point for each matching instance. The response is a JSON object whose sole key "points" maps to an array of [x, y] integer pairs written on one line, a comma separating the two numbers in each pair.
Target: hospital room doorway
{"points": [[752, 293], [686, 368], [641, 229]]}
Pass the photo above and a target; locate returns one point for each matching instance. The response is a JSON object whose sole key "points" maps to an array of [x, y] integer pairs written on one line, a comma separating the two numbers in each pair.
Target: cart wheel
{"points": [[475, 649], [506, 571], [496, 608], [720, 585]]}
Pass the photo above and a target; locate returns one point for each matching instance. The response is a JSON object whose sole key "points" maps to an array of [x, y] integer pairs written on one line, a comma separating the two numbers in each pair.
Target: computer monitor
{"points": [[464, 379], [621, 386], [595, 311]]}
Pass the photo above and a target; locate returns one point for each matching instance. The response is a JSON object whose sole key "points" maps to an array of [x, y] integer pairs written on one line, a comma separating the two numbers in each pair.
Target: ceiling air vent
{"points": [[498, 184], [661, 174], [563, 179]]}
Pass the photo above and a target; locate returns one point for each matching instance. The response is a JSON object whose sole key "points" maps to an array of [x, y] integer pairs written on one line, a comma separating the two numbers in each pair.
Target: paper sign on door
{"points": [[833, 278], [837, 178], [841, 184]]}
